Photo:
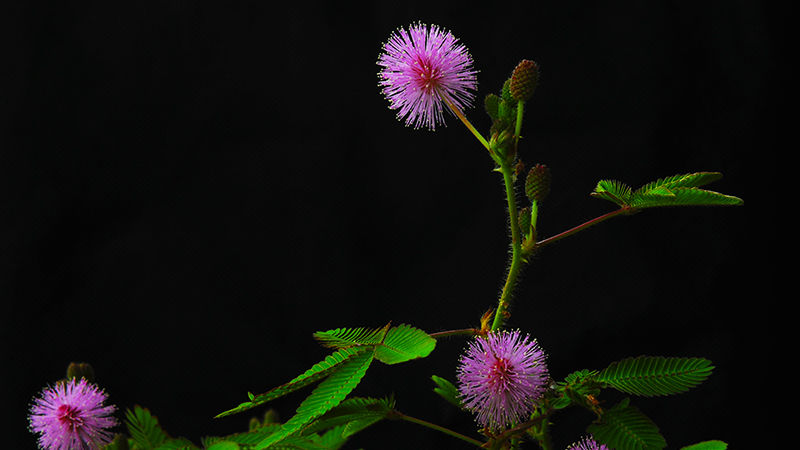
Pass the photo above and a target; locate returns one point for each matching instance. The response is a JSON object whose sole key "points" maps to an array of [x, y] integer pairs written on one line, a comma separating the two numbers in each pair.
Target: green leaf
{"points": [[353, 415], [613, 191], [651, 376], [707, 445], [315, 373], [447, 390], [392, 346], [404, 343], [350, 337], [624, 427], [177, 444], [326, 396], [224, 445], [677, 190], [144, 428]]}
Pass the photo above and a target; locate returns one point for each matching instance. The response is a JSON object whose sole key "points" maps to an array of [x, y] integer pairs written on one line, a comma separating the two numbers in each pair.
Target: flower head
{"points": [[501, 377], [587, 443], [424, 69], [71, 416]]}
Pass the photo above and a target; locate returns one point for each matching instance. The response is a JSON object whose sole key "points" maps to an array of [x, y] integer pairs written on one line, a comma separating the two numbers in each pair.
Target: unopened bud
{"points": [[80, 370], [537, 185], [524, 80]]}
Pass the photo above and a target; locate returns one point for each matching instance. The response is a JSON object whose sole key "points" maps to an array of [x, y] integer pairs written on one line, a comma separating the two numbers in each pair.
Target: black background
{"points": [[190, 189]]}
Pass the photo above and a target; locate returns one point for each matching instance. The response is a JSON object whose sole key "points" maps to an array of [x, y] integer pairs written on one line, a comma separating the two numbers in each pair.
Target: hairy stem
{"points": [[516, 247]]}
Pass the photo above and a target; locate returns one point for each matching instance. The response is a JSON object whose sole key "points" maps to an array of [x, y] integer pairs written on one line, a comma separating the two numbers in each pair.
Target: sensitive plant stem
{"points": [[518, 129], [516, 247], [399, 415], [466, 122], [570, 232]]}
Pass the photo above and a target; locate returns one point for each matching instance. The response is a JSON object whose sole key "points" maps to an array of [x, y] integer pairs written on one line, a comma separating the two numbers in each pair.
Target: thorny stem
{"points": [[442, 334]]}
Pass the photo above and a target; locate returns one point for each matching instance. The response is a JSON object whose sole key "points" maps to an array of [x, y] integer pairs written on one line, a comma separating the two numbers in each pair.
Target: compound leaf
{"points": [[349, 337], [326, 396], [315, 373], [677, 190], [144, 428], [613, 191], [624, 427], [649, 376], [404, 343]]}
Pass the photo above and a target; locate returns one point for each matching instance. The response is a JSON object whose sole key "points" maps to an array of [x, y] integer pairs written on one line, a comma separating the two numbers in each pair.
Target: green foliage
{"points": [[677, 190], [447, 390], [707, 445], [624, 427], [144, 429], [404, 343], [327, 395], [391, 345], [315, 373], [352, 416], [651, 376]]}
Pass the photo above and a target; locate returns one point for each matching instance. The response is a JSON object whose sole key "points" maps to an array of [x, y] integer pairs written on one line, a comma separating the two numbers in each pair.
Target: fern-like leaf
{"points": [[649, 376], [326, 396], [707, 445], [624, 427], [613, 191], [353, 414], [447, 390], [350, 337], [404, 343], [144, 428], [677, 190], [314, 374]]}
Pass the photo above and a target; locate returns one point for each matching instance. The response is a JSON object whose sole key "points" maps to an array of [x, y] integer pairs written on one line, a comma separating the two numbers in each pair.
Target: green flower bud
{"points": [[80, 370], [492, 104], [537, 185], [524, 80]]}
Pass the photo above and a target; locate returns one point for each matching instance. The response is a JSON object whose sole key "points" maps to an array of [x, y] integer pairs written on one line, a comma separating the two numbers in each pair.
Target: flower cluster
{"points": [[502, 377], [71, 416], [422, 71]]}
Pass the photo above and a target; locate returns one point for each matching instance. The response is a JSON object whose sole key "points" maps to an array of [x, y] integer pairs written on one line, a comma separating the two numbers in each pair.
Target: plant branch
{"points": [[516, 247], [537, 245], [398, 415]]}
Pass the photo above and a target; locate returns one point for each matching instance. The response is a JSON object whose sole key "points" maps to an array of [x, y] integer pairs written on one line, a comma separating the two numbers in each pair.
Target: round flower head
{"points": [[587, 443], [422, 70], [501, 377], [71, 416]]}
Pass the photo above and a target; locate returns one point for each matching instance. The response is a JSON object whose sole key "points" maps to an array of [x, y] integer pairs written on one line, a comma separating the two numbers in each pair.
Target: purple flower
{"points": [[501, 377], [422, 70], [71, 416], [587, 443]]}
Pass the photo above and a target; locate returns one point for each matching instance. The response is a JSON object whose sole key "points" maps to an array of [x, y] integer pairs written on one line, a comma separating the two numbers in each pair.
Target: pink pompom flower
{"points": [[424, 69], [71, 416], [502, 377]]}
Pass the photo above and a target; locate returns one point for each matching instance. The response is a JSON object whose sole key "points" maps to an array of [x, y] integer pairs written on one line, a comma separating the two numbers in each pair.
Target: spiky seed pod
{"points": [[492, 104], [524, 80], [537, 185]]}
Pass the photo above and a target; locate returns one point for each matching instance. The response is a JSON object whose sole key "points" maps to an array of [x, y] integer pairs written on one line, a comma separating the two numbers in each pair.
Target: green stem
{"points": [[443, 334], [466, 122], [516, 247], [399, 415]]}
